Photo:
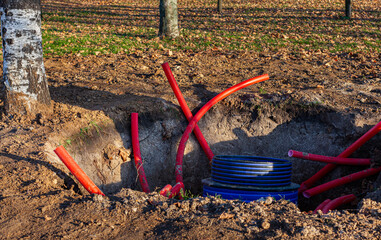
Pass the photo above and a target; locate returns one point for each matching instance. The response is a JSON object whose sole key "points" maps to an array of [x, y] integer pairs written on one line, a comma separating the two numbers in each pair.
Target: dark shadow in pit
{"points": [[313, 134]]}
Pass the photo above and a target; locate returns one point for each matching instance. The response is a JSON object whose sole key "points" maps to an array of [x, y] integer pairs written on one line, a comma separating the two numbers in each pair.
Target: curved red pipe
{"points": [[76, 170], [137, 154], [166, 190], [176, 190], [321, 205], [338, 202], [334, 160], [186, 111], [340, 181], [329, 167], [200, 113]]}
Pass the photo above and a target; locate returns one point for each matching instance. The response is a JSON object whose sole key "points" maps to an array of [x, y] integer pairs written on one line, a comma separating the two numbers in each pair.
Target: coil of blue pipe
{"points": [[249, 178]]}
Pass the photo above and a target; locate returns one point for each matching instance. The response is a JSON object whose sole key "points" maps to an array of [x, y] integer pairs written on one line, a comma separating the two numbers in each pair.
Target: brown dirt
{"points": [[39, 200]]}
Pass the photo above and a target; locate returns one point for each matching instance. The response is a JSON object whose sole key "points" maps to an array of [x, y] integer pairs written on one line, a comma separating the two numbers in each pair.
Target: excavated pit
{"points": [[104, 152]]}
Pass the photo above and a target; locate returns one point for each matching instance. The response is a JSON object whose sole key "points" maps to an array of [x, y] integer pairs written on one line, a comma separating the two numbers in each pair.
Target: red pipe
{"points": [[186, 111], [329, 167], [340, 181], [166, 190], [334, 160], [137, 154], [76, 170], [321, 205], [200, 113], [176, 190], [338, 202]]}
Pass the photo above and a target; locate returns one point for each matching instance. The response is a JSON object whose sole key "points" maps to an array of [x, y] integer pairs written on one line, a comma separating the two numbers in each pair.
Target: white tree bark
{"points": [[23, 68]]}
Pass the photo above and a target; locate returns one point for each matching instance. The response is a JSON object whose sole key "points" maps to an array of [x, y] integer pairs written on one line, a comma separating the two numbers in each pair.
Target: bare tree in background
{"points": [[348, 8], [169, 25], [23, 68], [219, 6]]}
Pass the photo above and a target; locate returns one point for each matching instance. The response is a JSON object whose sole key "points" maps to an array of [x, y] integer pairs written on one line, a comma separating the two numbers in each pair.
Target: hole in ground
{"points": [[103, 148]]}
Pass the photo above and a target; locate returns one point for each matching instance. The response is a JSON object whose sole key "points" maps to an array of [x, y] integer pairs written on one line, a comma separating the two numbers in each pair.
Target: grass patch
{"points": [[107, 27]]}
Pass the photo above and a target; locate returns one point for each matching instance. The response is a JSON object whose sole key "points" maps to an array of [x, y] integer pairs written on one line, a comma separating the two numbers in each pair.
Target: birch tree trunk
{"points": [[169, 25], [23, 68]]}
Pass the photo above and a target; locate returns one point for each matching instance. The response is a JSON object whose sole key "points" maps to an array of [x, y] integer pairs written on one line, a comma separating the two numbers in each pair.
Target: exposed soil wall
{"points": [[232, 128]]}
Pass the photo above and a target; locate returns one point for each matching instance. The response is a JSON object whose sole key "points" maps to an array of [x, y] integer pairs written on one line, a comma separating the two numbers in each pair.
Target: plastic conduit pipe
{"points": [[137, 154], [177, 190], [334, 160], [201, 112], [186, 111], [329, 167], [166, 190], [340, 181], [76, 170], [338, 202], [321, 205]]}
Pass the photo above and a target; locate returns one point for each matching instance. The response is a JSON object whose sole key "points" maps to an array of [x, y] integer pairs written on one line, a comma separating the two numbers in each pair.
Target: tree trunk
{"points": [[23, 68], [169, 26], [219, 6], [348, 8]]}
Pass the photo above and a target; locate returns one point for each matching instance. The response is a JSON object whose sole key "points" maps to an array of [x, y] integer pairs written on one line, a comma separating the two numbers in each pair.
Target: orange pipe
{"points": [[76, 170]]}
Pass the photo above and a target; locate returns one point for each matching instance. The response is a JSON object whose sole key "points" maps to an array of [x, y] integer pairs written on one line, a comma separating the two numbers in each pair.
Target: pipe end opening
{"points": [[306, 194], [290, 153]]}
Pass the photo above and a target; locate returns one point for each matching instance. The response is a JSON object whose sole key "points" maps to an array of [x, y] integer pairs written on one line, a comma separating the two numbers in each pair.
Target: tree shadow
{"points": [[208, 19], [68, 181]]}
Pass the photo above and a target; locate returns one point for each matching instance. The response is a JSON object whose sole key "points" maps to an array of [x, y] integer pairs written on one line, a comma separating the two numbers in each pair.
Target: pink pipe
{"points": [[338, 202], [334, 160], [186, 111], [329, 167], [200, 113], [137, 154], [340, 181], [322, 205]]}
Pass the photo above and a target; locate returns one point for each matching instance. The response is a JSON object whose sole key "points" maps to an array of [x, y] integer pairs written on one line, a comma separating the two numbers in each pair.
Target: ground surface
{"points": [[39, 200]]}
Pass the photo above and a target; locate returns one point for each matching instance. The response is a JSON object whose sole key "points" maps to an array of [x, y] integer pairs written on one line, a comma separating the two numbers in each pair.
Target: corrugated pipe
{"points": [[76, 170], [137, 154], [338, 202], [177, 190], [321, 205], [186, 110], [329, 167], [166, 190], [334, 160], [340, 181], [200, 113]]}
